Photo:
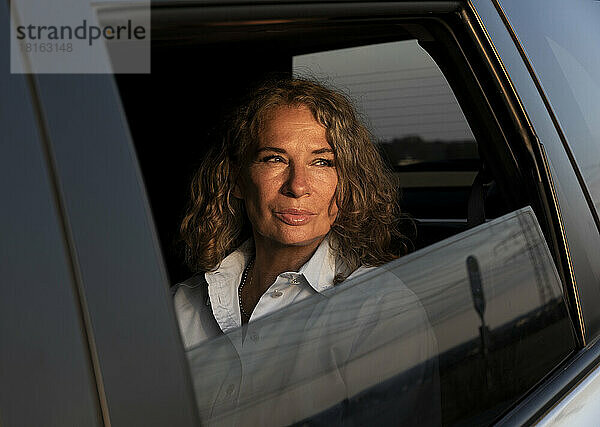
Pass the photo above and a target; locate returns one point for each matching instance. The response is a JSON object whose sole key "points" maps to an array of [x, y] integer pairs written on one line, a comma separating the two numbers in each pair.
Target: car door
{"points": [[554, 78], [128, 358], [45, 359], [89, 335]]}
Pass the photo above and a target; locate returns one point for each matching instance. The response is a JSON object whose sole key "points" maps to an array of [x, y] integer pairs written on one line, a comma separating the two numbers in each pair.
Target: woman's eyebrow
{"points": [[323, 150], [277, 150], [282, 151]]}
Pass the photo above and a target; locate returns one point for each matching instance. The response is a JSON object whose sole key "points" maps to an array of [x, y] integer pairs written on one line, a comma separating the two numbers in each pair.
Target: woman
{"points": [[295, 200]]}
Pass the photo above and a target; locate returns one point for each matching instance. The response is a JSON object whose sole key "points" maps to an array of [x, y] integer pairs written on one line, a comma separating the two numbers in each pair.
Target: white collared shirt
{"points": [[315, 276], [298, 362]]}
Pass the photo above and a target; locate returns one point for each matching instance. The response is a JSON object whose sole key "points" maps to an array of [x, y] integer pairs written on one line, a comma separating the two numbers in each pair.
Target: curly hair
{"points": [[366, 230]]}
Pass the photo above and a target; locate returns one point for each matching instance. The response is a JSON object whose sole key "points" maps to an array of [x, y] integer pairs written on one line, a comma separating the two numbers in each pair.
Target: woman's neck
{"points": [[271, 260]]}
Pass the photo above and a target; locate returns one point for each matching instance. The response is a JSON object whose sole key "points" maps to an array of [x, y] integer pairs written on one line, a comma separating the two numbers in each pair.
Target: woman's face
{"points": [[289, 186]]}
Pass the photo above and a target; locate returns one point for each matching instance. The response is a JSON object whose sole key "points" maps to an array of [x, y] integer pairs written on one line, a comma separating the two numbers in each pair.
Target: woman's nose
{"points": [[296, 184]]}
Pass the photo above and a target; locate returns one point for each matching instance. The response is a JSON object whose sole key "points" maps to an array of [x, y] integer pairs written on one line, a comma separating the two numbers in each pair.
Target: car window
{"points": [[467, 315], [450, 328], [403, 95]]}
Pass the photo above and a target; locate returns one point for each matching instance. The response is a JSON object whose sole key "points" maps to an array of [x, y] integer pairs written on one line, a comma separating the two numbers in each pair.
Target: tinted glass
{"points": [[562, 41], [470, 313]]}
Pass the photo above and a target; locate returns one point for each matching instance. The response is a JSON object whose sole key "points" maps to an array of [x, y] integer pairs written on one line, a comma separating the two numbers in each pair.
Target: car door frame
{"points": [[578, 228], [102, 199]]}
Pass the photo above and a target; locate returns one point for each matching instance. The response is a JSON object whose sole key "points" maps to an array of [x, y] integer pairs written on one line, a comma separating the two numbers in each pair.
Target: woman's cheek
{"points": [[327, 176], [333, 213]]}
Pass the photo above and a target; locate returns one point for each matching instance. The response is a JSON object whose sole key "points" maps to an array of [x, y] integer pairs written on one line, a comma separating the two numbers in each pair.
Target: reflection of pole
{"points": [[479, 304]]}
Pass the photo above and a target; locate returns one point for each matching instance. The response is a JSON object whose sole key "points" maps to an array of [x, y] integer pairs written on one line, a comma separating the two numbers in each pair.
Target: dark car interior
{"points": [[201, 69]]}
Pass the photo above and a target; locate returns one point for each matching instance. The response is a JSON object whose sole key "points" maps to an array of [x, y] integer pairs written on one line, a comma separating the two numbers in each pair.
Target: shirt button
{"points": [[230, 389], [294, 281], [276, 294], [254, 336]]}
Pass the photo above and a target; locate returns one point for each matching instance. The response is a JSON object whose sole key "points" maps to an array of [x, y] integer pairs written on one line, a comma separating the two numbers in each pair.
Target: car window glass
{"points": [[450, 330], [566, 58]]}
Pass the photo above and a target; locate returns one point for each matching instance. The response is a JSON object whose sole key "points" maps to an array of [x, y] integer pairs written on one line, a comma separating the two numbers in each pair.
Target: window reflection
{"points": [[363, 352], [445, 334]]}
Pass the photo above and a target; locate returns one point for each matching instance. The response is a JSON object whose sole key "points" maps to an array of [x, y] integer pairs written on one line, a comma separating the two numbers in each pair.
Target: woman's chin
{"points": [[308, 242], [298, 239]]}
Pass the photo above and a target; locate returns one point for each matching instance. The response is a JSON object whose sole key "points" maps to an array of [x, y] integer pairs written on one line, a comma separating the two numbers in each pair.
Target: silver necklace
{"points": [[244, 277]]}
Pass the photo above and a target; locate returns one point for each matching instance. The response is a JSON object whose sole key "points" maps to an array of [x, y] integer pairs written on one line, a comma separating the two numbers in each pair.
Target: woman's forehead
{"points": [[292, 125]]}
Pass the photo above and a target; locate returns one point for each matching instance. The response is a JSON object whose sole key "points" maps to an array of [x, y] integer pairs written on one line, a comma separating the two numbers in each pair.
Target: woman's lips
{"points": [[294, 216]]}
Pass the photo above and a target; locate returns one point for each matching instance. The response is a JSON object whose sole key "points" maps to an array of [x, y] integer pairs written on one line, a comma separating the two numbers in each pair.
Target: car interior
{"points": [[195, 82], [201, 69]]}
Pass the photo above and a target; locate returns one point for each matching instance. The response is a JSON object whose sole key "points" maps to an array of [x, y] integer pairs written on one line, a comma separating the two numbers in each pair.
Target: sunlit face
{"points": [[289, 184]]}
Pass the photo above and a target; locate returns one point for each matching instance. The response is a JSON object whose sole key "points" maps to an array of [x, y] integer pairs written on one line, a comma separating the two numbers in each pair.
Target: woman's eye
{"points": [[273, 159], [323, 162]]}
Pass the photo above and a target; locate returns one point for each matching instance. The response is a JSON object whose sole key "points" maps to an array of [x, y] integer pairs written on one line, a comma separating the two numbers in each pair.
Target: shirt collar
{"points": [[223, 284], [232, 267], [319, 270]]}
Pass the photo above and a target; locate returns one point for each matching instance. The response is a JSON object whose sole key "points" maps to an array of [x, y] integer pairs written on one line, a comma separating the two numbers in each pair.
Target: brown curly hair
{"points": [[366, 230]]}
